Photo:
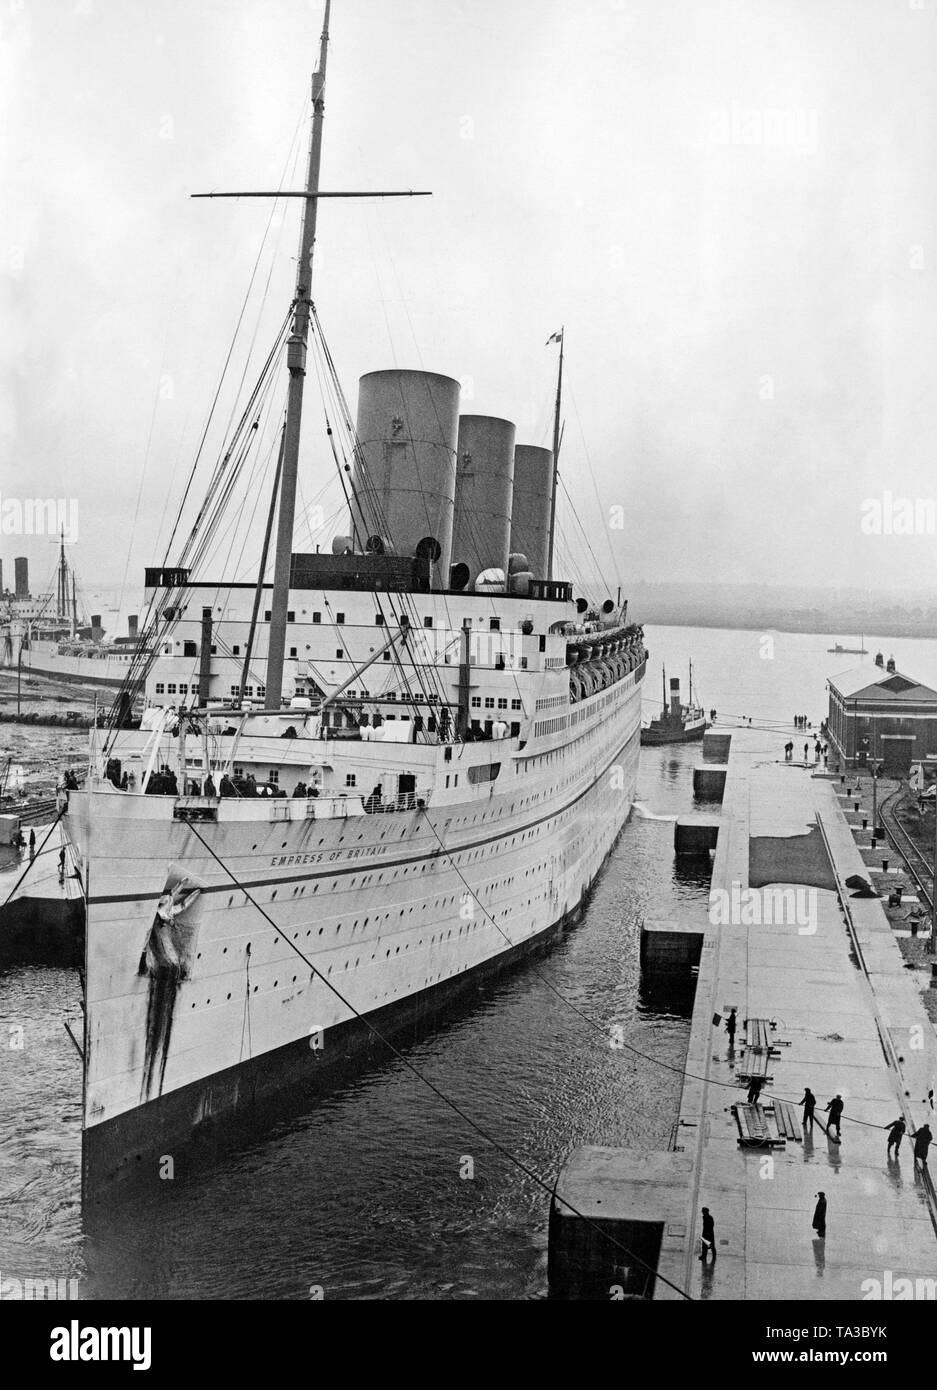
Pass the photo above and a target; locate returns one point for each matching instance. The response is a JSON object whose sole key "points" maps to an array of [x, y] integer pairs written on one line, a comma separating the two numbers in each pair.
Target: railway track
{"points": [[916, 862]]}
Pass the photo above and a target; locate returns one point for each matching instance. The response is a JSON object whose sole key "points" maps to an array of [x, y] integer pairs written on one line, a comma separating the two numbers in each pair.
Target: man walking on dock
{"points": [[922, 1141], [708, 1238], [896, 1134], [819, 1215], [809, 1102], [731, 1024], [835, 1107], [32, 845]]}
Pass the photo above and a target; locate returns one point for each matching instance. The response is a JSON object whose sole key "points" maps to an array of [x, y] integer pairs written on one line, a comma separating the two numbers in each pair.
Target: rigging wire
{"points": [[431, 1085]]}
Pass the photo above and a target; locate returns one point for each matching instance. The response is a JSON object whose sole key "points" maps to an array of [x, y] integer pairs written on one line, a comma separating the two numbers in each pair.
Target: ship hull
{"points": [[269, 982], [201, 1118]]}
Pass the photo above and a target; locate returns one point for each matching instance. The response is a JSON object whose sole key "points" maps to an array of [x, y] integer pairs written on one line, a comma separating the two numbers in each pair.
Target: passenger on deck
{"points": [[300, 789], [208, 787], [227, 786], [172, 786]]}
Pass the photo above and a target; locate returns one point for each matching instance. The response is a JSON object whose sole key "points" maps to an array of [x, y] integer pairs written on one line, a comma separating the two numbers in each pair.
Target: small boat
{"points": [[678, 723], [839, 650]]}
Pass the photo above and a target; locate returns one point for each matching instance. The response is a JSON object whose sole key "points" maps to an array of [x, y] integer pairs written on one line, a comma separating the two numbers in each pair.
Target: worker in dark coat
{"points": [[754, 1090], [809, 1102], [896, 1132], [708, 1238], [731, 1025], [819, 1215], [835, 1107], [922, 1141]]}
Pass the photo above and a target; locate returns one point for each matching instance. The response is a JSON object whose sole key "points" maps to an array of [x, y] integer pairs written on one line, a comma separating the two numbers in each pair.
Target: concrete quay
{"points": [[784, 941], [41, 916]]}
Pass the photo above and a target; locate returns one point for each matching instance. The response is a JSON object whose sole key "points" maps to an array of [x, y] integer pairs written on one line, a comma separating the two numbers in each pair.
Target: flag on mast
{"points": [[555, 338]]}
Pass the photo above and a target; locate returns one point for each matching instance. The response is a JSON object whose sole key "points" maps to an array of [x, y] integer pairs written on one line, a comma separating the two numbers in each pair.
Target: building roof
{"points": [[871, 682]]}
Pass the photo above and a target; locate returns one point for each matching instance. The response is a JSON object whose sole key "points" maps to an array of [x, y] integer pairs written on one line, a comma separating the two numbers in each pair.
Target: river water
{"points": [[382, 1190]]}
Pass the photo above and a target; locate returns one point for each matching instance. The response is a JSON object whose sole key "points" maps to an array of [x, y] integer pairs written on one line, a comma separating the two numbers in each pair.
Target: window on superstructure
{"points": [[339, 617], [351, 779], [171, 688], [261, 690], [494, 624], [387, 656], [516, 704], [427, 622], [189, 649], [476, 702], [317, 617], [339, 653], [293, 651], [489, 702], [502, 704], [267, 615], [183, 690], [523, 663], [235, 689], [291, 615], [235, 651], [379, 619], [543, 643], [274, 776], [391, 694], [160, 688]]}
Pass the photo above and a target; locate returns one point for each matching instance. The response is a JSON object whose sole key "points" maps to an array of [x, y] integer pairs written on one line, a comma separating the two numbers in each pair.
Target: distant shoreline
{"points": [[920, 631]]}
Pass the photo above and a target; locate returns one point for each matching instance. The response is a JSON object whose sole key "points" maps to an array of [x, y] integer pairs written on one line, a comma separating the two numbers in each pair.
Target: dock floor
{"points": [[850, 1020]]}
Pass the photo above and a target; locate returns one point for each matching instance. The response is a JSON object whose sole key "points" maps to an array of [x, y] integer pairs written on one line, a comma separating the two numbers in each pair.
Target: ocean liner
{"points": [[396, 768]]}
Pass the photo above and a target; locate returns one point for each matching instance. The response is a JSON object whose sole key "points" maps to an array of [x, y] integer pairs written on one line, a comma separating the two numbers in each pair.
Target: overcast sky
{"points": [[729, 203]]}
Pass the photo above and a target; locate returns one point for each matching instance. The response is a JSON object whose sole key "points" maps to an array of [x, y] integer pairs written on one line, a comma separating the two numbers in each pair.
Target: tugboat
{"points": [[677, 723]]}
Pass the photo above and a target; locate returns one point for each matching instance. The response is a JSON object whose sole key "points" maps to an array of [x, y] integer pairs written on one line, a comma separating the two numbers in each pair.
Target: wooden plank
{"points": [[787, 1120], [753, 1127]]}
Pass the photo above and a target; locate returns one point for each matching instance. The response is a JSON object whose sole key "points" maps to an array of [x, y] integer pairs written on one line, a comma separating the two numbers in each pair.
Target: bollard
{"points": [[842, 779], [933, 973], [865, 822], [855, 805], [914, 926], [884, 866], [874, 844]]}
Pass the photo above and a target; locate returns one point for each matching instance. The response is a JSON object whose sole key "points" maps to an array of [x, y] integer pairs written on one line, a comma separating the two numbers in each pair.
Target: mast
{"points": [[556, 453], [296, 364], [61, 603], [663, 688]]}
